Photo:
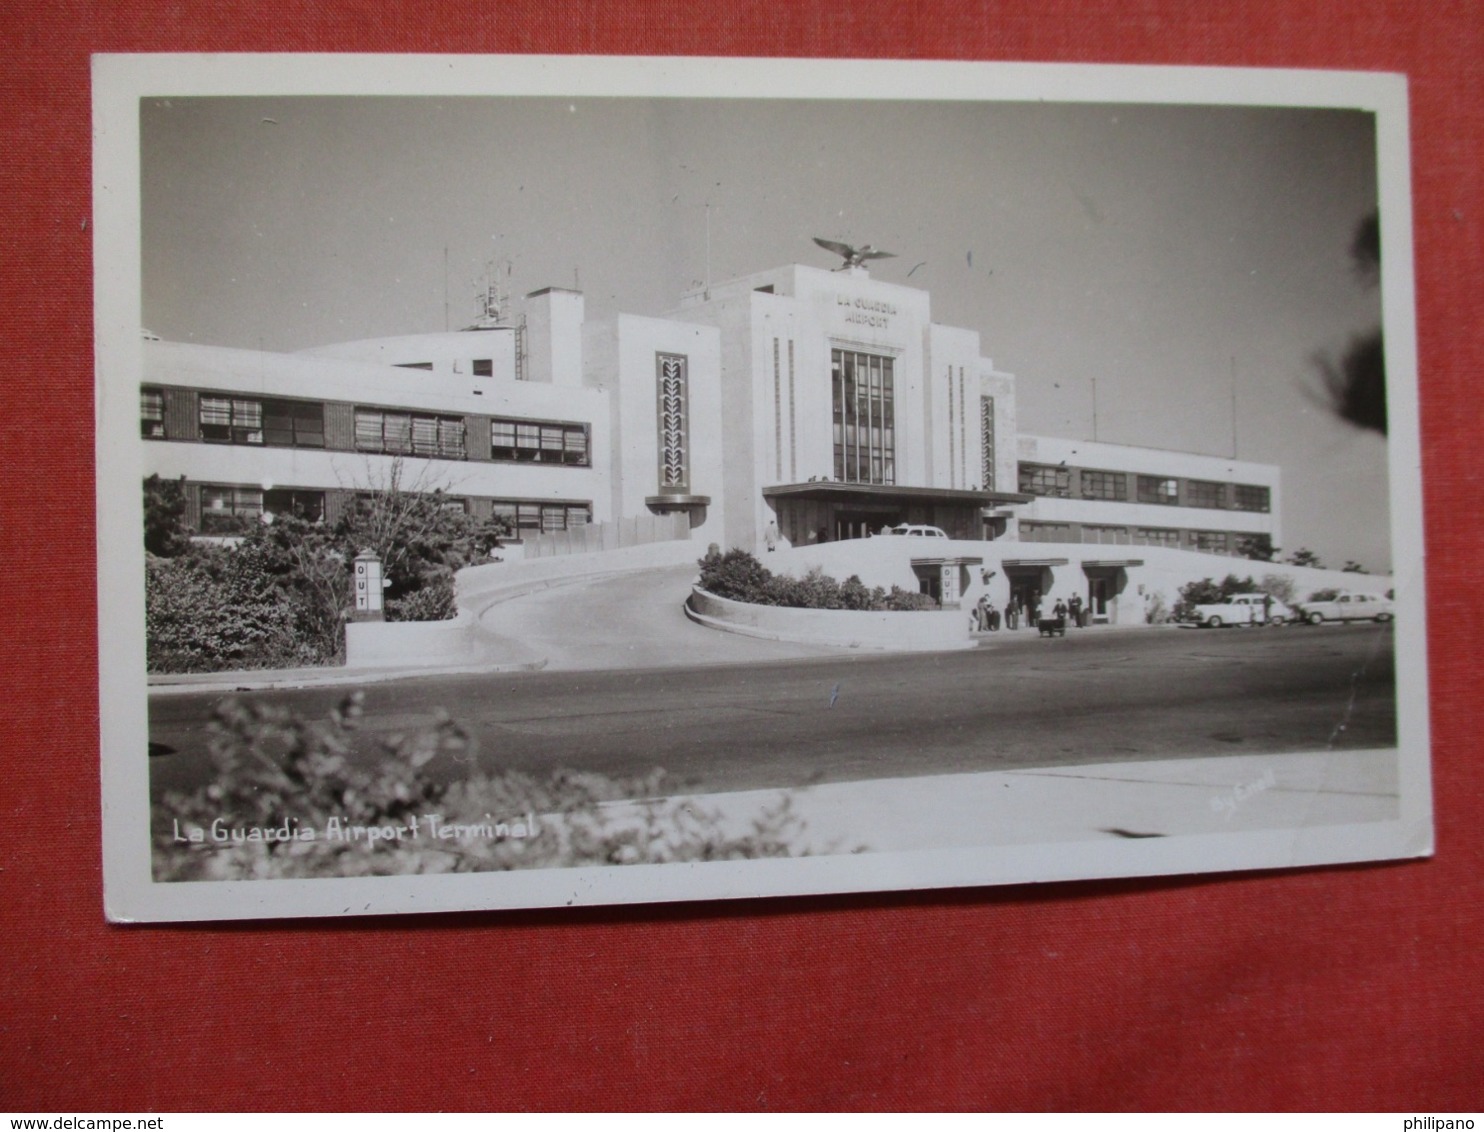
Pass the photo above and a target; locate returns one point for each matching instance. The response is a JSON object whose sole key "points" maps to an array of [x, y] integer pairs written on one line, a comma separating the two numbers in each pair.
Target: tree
{"points": [[1303, 556], [1280, 586], [283, 594], [1356, 383], [1353, 567], [1259, 548], [165, 532]]}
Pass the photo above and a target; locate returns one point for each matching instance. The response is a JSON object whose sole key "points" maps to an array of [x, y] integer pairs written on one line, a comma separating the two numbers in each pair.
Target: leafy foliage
{"points": [[1208, 592], [283, 776], [215, 608], [165, 531], [1303, 556], [1356, 382], [739, 576], [282, 595], [1259, 548], [1280, 586]]}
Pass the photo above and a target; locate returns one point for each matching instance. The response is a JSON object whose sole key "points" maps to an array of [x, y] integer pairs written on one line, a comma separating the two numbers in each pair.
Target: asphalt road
{"points": [[1017, 701]]}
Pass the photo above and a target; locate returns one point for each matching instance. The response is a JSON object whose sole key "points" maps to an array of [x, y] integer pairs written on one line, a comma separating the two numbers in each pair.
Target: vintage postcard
{"points": [[533, 481]]}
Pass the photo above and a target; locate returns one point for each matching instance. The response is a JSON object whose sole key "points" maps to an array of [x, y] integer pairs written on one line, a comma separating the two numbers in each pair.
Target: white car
{"points": [[1347, 607], [1243, 609], [919, 530]]}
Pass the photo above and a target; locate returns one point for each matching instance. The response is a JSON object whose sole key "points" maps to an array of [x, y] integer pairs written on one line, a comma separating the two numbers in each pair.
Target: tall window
{"points": [[538, 442], [1248, 497], [1045, 479], [1203, 493], [152, 414], [1104, 485], [864, 417], [231, 420], [1155, 489], [673, 414], [986, 442], [416, 434]]}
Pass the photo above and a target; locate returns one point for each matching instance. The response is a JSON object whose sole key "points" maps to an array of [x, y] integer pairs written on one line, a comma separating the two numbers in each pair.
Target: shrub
{"points": [[278, 772], [1280, 586], [434, 602], [909, 601], [736, 575], [1208, 592], [213, 609], [739, 576]]}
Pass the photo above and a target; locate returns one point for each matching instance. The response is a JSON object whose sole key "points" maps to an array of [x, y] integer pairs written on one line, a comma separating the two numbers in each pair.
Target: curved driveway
{"points": [[630, 620]]}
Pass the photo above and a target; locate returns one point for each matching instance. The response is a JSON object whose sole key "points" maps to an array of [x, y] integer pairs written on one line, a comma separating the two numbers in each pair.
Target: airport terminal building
{"points": [[796, 406]]}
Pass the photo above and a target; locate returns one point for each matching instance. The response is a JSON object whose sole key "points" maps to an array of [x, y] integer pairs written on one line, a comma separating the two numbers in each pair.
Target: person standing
{"points": [[1075, 608], [770, 536]]}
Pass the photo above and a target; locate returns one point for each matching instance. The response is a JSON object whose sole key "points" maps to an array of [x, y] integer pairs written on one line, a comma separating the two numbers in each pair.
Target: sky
{"points": [[1176, 260]]}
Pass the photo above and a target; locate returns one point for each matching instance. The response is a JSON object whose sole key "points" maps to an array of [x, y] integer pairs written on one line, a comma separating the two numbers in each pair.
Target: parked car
{"points": [[1347, 607], [920, 530], [1242, 609]]}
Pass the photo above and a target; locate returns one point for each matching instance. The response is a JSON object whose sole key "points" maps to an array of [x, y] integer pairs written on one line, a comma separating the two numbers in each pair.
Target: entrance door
{"points": [[862, 524], [1103, 588]]}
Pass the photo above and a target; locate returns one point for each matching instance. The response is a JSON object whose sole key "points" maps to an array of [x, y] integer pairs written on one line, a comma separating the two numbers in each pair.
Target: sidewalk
{"points": [[267, 679], [1108, 803]]}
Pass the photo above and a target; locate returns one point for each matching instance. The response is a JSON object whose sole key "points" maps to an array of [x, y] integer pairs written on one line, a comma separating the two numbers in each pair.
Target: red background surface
{"points": [[1352, 987]]}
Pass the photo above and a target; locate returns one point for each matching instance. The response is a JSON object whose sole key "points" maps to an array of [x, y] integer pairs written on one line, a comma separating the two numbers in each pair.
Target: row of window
{"points": [[1055, 482], [229, 509], [301, 424], [1214, 542]]}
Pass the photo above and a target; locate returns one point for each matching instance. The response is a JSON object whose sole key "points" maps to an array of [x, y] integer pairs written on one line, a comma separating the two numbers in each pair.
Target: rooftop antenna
{"points": [[491, 299], [445, 287], [1094, 409]]}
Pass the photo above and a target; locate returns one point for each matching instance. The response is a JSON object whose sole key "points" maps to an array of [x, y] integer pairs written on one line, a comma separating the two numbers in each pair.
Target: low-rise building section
{"points": [[792, 408]]}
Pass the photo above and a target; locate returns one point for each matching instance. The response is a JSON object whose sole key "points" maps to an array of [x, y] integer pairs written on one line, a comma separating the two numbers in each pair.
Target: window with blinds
{"points": [[539, 442], [231, 420], [410, 434], [152, 414]]}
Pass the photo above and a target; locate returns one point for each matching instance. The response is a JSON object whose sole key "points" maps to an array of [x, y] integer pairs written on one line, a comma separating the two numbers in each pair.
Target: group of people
{"points": [[988, 619]]}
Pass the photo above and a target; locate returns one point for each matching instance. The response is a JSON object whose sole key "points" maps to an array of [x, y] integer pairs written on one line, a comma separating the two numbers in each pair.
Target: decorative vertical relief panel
{"points": [[963, 433], [793, 432], [777, 415], [986, 429], [673, 412], [952, 433]]}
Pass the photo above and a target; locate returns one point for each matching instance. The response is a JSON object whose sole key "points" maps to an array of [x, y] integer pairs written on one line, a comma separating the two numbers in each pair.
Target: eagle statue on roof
{"points": [[854, 257]]}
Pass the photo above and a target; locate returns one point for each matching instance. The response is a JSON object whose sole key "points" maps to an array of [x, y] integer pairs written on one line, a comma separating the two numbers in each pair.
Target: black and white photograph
{"points": [[528, 482]]}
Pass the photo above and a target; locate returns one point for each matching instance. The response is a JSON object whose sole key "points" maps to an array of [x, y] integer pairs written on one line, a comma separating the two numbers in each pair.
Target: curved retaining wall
{"points": [[408, 644], [932, 631]]}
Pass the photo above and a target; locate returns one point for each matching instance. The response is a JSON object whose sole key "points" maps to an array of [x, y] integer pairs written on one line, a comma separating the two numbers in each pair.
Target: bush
{"points": [[736, 575], [739, 576], [214, 609], [434, 602], [1208, 592], [284, 777], [909, 601]]}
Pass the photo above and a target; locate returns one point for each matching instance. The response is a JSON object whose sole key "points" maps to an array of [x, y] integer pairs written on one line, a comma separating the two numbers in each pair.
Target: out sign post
{"points": [[368, 587]]}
